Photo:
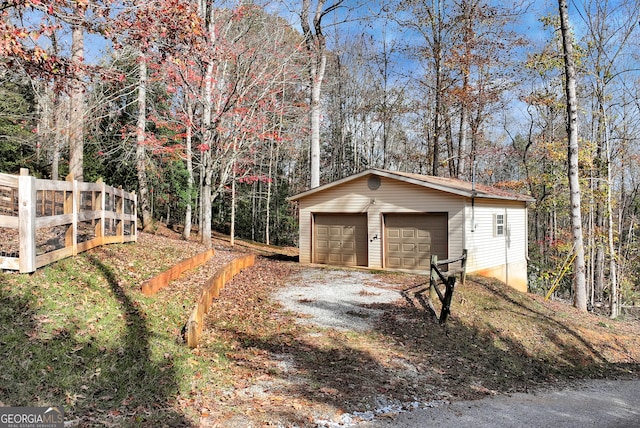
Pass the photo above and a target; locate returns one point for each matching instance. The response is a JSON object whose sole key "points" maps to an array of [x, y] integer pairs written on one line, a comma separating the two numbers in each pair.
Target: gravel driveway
{"points": [[336, 298]]}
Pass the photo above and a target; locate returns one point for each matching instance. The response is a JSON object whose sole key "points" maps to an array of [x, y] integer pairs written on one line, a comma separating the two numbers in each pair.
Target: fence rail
{"points": [[447, 278], [42, 221]]}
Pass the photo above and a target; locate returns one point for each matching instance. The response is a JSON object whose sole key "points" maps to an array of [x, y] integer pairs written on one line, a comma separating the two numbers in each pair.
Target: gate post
{"points": [[72, 206], [27, 200], [433, 279]]}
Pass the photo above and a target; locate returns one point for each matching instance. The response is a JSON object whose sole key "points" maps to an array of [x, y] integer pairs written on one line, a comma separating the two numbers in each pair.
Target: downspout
{"points": [[507, 245], [473, 211], [473, 197]]}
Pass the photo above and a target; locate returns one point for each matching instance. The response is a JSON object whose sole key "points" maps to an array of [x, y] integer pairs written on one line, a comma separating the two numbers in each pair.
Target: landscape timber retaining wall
{"points": [[157, 283], [210, 291]]}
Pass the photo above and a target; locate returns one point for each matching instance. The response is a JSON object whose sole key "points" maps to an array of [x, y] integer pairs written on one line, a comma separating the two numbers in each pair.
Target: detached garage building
{"points": [[394, 220]]}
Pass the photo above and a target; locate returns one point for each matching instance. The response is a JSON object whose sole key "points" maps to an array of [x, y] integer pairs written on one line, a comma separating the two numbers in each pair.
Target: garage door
{"points": [[411, 239], [340, 239]]}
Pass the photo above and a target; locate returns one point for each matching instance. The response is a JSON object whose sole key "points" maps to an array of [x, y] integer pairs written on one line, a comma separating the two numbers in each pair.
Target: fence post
{"points": [[120, 215], [433, 279], [71, 207], [27, 221], [134, 226], [99, 205], [465, 254], [192, 331], [446, 302]]}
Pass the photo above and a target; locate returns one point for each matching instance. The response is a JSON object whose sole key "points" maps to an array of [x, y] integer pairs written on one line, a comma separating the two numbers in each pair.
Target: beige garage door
{"points": [[340, 239], [411, 239]]}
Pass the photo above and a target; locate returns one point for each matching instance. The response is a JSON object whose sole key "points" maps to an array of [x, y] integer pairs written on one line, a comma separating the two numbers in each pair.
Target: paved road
{"points": [[601, 404]]}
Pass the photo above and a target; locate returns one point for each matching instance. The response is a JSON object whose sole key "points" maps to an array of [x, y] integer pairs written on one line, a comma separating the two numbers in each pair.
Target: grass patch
{"points": [[72, 336], [80, 334]]}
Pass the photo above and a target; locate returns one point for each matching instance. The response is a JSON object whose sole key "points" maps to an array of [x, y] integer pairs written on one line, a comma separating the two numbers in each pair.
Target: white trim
{"points": [[499, 224]]}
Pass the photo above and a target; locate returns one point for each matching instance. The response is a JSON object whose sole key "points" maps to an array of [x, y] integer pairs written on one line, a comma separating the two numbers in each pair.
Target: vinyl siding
{"points": [[392, 196], [505, 254]]}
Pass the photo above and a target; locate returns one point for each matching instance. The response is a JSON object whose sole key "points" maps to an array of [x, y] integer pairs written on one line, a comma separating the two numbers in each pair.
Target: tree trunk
{"points": [[612, 250], [201, 199], [207, 12], [76, 115], [438, 30], [600, 163], [317, 74], [205, 235], [57, 135], [435, 144], [186, 232], [55, 160], [55, 118], [315, 43], [462, 143], [579, 280], [464, 99], [206, 208], [232, 232], [267, 220], [141, 154]]}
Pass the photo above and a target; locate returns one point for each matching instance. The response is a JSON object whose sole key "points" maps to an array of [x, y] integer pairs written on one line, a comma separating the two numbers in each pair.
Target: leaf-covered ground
{"points": [[79, 333]]}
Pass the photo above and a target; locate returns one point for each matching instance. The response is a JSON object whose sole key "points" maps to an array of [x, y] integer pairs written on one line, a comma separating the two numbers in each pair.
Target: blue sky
{"points": [[353, 10]]}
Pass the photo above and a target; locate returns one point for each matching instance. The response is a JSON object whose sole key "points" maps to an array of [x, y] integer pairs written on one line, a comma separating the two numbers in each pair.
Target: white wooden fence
{"points": [[42, 221]]}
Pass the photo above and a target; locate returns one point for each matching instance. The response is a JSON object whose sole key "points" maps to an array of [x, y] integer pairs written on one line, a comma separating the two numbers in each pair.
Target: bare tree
{"points": [[316, 44], [610, 29], [77, 113], [186, 233], [248, 55], [141, 155], [579, 279]]}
